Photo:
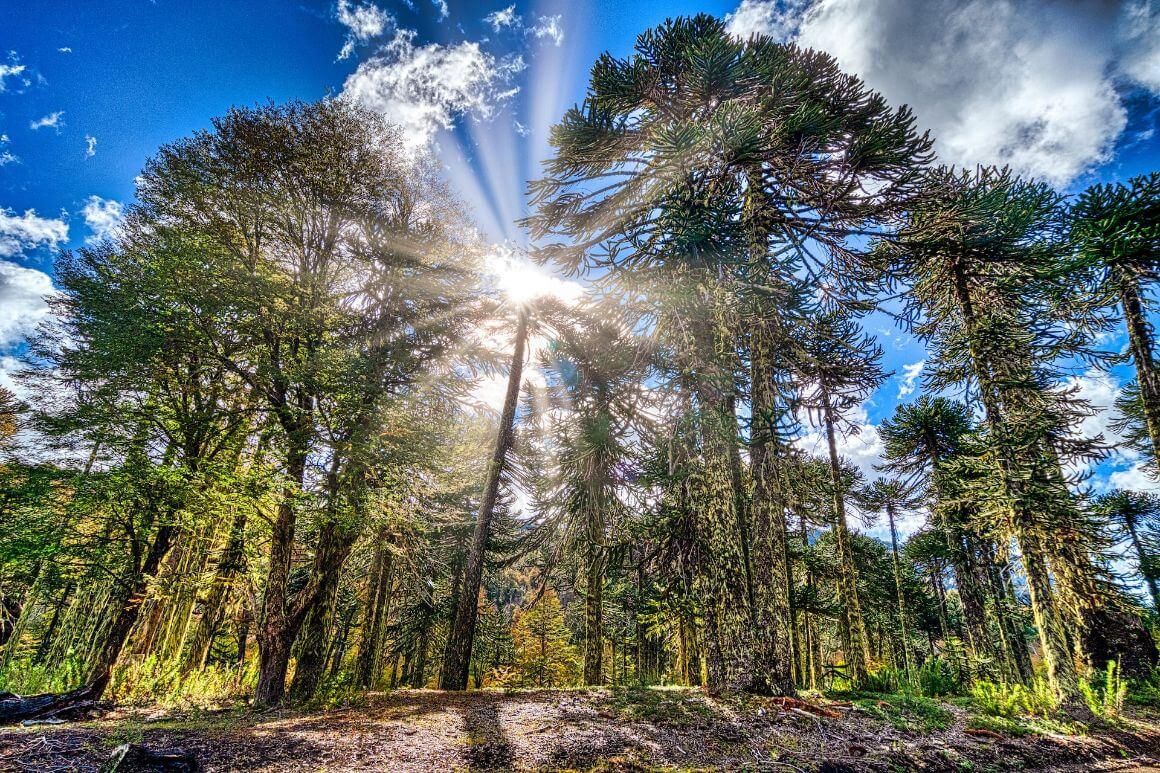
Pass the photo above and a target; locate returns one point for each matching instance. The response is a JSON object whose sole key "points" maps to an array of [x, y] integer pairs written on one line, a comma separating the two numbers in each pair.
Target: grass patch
{"points": [[1017, 727], [909, 713], [643, 704]]}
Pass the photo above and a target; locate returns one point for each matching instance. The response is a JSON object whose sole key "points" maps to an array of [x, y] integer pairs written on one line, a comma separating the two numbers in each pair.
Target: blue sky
{"points": [[1064, 91]]}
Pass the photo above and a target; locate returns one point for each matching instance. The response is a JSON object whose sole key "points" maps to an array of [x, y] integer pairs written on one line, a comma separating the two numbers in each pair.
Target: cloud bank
{"points": [[1034, 84]]}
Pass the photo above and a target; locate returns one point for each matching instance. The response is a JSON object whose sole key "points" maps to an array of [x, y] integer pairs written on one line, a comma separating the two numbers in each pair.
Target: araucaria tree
{"points": [[711, 173]]}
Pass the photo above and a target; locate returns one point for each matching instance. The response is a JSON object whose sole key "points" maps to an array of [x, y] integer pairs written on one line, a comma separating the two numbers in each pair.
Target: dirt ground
{"points": [[666, 729]]}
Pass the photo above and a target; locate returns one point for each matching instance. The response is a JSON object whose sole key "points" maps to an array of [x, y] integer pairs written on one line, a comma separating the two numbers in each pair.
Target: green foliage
{"points": [[152, 681], [545, 657], [1003, 699], [937, 678], [1104, 694], [24, 677]]}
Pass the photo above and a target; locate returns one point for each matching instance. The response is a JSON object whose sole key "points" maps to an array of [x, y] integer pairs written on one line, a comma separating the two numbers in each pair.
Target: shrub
{"points": [[937, 678], [1004, 699], [1105, 695]]}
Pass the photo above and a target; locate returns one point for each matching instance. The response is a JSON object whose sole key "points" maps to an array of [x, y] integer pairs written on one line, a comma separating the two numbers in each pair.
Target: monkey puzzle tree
{"points": [[837, 366], [705, 160], [1115, 229], [594, 381], [1137, 513], [893, 497], [972, 255]]}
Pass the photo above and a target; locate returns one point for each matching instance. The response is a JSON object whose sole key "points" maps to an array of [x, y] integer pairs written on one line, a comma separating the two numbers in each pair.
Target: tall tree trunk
{"points": [[593, 620], [376, 613], [129, 609], [904, 638], [213, 608], [1026, 525], [855, 644], [461, 633], [1140, 344], [276, 631], [334, 543], [773, 644]]}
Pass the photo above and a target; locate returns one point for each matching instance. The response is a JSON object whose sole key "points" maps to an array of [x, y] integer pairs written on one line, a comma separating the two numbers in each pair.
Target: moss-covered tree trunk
{"points": [[1141, 345], [855, 644], [773, 644], [213, 608], [594, 619]]}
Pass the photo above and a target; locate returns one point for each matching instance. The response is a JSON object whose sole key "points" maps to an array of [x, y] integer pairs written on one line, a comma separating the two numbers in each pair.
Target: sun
{"points": [[521, 281]]}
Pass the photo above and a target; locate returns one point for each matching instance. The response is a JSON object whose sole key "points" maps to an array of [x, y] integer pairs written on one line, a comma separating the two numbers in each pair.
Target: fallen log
{"points": [[134, 758], [979, 732], [796, 704], [68, 705]]}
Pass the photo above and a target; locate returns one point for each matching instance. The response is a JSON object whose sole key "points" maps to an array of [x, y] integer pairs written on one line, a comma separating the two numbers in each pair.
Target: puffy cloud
{"points": [[910, 373], [778, 20], [103, 217], [1125, 467], [424, 88], [22, 301], [1031, 84], [51, 121], [90, 146], [23, 233], [506, 17], [441, 6], [364, 22]]}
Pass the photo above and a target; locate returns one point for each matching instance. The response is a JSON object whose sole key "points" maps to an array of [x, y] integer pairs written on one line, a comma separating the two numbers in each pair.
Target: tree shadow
{"points": [[488, 747]]}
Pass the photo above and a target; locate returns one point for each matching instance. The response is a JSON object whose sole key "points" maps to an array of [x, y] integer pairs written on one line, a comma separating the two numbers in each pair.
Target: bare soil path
{"points": [[602, 730]]}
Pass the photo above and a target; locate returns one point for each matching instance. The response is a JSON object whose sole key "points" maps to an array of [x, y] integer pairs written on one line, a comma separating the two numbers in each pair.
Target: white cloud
{"points": [[364, 22], [90, 146], [1134, 478], [545, 27], [65, 50], [22, 302], [23, 233], [1031, 84], [6, 156], [778, 20], [51, 121], [506, 17], [548, 27], [103, 217], [11, 70], [1139, 34], [441, 6], [910, 373], [425, 88], [1127, 467], [521, 130]]}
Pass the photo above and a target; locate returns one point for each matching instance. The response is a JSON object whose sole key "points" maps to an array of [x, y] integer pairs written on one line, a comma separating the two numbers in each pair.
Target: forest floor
{"points": [[591, 730]]}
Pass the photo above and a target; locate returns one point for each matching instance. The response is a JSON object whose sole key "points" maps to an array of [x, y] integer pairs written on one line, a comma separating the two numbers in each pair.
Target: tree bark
{"points": [[593, 621], [855, 645], [461, 634]]}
